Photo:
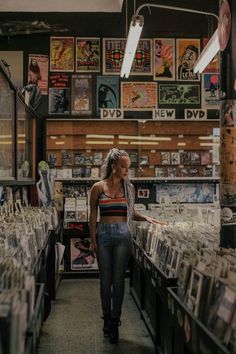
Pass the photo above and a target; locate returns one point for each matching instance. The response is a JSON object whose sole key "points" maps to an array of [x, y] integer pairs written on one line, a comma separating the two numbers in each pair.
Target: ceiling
{"points": [[101, 17], [61, 5]]}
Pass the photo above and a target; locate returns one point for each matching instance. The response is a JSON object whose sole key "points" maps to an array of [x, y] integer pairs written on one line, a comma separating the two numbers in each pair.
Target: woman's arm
{"points": [[94, 195], [137, 216], [141, 217]]}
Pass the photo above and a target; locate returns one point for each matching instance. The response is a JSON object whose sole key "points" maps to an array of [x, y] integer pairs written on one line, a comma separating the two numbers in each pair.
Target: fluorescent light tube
{"points": [[150, 138], [135, 30], [5, 136], [209, 144], [99, 142], [208, 53], [209, 137], [102, 136], [144, 143]]}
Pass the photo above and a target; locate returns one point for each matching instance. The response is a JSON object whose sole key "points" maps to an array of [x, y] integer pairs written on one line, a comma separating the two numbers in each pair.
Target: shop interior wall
{"points": [[158, 23]]}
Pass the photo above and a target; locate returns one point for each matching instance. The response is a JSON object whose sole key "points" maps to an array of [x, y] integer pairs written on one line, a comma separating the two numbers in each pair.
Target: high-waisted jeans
{"points": [[114, 245]]}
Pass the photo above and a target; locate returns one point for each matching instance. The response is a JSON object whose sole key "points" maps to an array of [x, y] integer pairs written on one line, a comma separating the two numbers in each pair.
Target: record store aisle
{"points": [[75, 326]]}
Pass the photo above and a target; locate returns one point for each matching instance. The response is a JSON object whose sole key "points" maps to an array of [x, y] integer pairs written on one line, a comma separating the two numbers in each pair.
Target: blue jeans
{"points": [[114, 245]]}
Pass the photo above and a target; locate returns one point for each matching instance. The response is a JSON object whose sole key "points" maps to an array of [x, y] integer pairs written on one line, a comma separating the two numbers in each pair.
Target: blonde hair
{"points": [[112, 156]]}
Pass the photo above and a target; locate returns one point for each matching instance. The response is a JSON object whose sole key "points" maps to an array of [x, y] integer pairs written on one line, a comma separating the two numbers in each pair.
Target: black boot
{"points": [[113, 333], [106, 319]]}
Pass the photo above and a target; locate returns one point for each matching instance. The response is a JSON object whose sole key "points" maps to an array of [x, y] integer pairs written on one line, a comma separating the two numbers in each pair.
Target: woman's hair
{"points": [[114, 155]]}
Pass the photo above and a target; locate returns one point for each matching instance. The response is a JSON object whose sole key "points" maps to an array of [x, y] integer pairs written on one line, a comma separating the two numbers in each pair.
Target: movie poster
{"points": [[87, 54], [210, 91], [138, 96], [107, 92], [179, 94], [81, 95], [213, 66], [38, 72], [187, 52], [62, 54], [185, 192], [59, 93], [80, 254], [113, 54], [164, 59]]}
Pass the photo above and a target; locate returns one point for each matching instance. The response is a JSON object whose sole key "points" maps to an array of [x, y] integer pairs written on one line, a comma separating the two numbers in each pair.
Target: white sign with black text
{"points": [[111, 113], [195, 113], [162, 113]]}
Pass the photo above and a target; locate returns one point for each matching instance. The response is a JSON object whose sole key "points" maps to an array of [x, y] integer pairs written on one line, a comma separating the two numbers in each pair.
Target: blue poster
{"points": [[108, 95], [185, 192]]}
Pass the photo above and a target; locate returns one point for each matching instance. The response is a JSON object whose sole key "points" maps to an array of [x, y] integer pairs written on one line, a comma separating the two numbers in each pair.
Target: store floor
{"points": [[75, 326]]}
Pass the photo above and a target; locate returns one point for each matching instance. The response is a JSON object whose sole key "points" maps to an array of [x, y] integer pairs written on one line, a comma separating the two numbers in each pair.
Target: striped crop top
{"points": [[112, 206]]}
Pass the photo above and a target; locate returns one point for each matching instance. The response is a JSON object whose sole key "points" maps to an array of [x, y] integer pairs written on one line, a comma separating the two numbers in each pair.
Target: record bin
{"points": [[137, 275], [189, 334], [155, 312]]}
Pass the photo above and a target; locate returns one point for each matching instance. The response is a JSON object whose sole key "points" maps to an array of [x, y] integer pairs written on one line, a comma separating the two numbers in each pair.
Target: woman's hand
{"points": [[93, 246], [154, 221]]}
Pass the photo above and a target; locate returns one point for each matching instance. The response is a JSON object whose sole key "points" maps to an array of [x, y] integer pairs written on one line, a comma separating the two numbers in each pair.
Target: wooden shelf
{"points": [[146, 179]]}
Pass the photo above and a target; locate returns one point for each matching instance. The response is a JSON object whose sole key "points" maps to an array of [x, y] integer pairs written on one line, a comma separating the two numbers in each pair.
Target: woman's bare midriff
{"points": [[112, 219]]}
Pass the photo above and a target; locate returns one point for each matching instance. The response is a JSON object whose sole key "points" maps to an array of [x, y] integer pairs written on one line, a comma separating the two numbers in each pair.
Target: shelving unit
{"points": [[148, 140], [69, 142], [173, 327], [18, 136]]}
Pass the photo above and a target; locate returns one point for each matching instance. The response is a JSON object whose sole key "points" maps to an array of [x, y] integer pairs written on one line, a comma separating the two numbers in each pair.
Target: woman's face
{"points": [[158, 49], [122, 166]]}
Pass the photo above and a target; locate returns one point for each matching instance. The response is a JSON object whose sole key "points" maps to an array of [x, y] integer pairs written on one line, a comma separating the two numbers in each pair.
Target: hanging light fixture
{"points": [[208, 53], [136, 27], [135, 30]]}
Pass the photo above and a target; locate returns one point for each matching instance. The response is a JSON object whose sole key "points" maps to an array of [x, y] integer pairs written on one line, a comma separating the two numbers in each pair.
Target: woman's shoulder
{"points": [[98, 187]]}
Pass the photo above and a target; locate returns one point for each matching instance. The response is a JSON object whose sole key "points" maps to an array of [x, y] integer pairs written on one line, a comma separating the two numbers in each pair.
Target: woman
{"points": [[114, 195]]}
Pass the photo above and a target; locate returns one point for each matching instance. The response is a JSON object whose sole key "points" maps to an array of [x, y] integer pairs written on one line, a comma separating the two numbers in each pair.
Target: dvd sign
{"points": [[109, 113], [195, 114]]}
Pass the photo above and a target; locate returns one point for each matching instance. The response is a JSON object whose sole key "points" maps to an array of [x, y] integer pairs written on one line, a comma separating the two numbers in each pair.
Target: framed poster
{"points": [[164, 59], [177, 94], [81, 94], [80, 254], [213, 66], [107, 92], [143, 193], [87, 54], [187, 52], [136, 96], [38, 72], [59, 93], [185, 192], [113, 53], [62, 54], [210, 91]]}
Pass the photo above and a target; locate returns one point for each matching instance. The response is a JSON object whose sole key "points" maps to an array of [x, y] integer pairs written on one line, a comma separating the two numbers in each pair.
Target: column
{"points": [[228, 137]]}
